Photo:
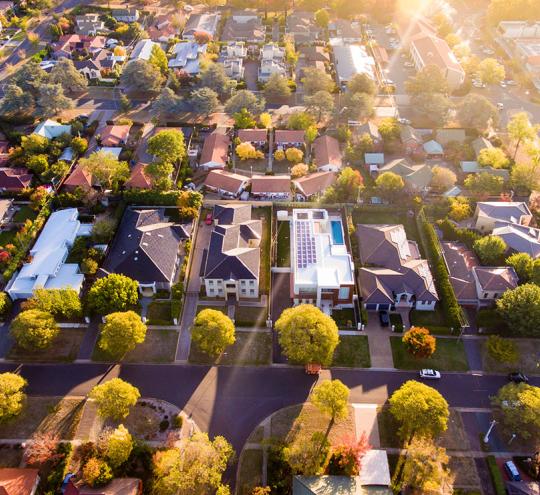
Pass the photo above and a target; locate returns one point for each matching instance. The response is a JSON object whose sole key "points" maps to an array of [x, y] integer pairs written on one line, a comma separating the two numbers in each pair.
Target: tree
{"points": [[121, 333], [65, 74], [168, 145], [188, 204], [79, 145], [204, 101], [346, 188], [419, 342], [106, 168], [16, 101], [96, 472], [300, 121], [307, 456], [484, 184], [322, 18], [518, 405], [443, 178], [202, 38], [389, 129], [346, 459], [419, 409], [115, 292], [477, 112], [435, 106], [116, 445], [460, 209], [114, 398], [213, 76], [34, 329], [12, 397], [142, 75], [362, 83], [490, 71], [521, 130], [331, 398], [490, 250], [159, 60], [244, 99], [213, 331], [357, 106], [246, 151], [103, 230], [51, 100], [5, 304], [30, 76], [502, 350], [277, 88], [443, 24], [389, 184], [244, 120], [316, 80], [493, 157], [291, 55], [167, 102], [195, 467], [279, 155], [321, 103], [294, 155], [299, 170], [39, 164], [307, 335], [265, 120], [520, 309], [430, 79], [525, 177], [63, 303], [522, 263], [41, 448]]}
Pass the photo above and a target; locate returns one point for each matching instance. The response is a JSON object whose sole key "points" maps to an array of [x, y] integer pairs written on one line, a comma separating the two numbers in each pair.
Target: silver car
{"points": [[430, 374]]}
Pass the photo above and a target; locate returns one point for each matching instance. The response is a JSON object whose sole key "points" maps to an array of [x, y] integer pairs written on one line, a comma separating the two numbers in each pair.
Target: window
{"points": [[243, 291], [495, 295], [252, 282], [210, 282], [485, 295], [252, 292], [343, 293], [230, 286]]}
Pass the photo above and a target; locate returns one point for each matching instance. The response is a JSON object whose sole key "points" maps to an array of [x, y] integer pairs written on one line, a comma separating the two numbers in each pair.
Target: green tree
{"points": [[443, 178], [322, 18], [419, 409], [121, 333], [522, 264], [213, 331], [346, 188], [65, 74], [389, 184], [435, 106], [331, 398], [12, 397], [277, 88], [307, 456], [16, 101], [316, 80], [115, 398], [158, 59], [357, 106], [321, 103], [115, 292], [502, 350], [34, 329], [307, 335], [168, 145], [30, 77], [477, 112], [535, 277], [490, 250], [213, 76], [244, 120], [167, 103], [39, 164], [362, 83], [493, 157], [518, 405], [490, 71], [34, 144], [142, 75], [106, 168], [61, 303], [300, 121], [430, 79], [389, 129], [244, 99], [51, 100], [96, 472], [195, 467], [419, 342], [160, 172], [484, 184], [520, 309], [525, 177], [204, 101], [79, 145], [117, 446], [521, 130], [5, 304]]}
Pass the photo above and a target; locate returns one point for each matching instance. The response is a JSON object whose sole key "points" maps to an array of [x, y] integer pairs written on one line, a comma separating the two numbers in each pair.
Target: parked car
{"points": [[403, 121], [511, 82], [512, 471], [502, 84], [384, 318], [500, 106], [208, 219], [410, 65], [430, 374], [518, 377]]}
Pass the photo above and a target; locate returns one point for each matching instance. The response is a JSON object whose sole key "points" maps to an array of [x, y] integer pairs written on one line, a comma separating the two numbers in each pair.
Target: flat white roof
{"points": [[351, 60]]}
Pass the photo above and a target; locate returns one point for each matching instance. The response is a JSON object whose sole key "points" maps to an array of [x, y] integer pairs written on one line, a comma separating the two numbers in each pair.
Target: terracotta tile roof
{"points": [[138, 178], [314, 183], [215, 149], [226, 181], [287, 136], [17, 481], [118, 486], [261, 184], [251, 135], [14, 178], [80, 178], [327, 151], [113, 135]]}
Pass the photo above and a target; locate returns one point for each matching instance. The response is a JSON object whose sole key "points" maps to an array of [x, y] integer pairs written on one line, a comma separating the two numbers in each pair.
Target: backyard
{"points": [[265, 214], [378, 215], [256, 166], [24, 213], [283, 252]]}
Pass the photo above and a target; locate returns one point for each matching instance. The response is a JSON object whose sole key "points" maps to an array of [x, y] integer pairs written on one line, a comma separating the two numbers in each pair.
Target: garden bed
{"points": [[352, 352], [344, 318]]}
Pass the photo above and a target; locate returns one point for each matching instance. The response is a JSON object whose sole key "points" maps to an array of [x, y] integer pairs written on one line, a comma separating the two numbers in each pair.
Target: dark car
{"points": [[512, 471], [518, 377], [384, 318]]}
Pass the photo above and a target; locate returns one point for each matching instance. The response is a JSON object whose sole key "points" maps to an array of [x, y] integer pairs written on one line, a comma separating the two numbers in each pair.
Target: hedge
{"points": [[151, 197], [496, 476], [451, 232]]}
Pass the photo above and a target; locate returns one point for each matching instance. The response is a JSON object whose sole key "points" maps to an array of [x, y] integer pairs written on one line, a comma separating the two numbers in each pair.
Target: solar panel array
{"points": [[306, 253]]}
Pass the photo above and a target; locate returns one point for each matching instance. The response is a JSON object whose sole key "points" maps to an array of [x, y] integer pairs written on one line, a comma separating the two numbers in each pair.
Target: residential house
{"points": [[47, 267], [489, 213], [232, 58], [244, 25], [138, 178], [226, 183], [115, 135], [147, 248], [52, 129], [301, 26], [512, 30], [411, 141], [5, 6], [232, 261], [417, 176], [14, 179], [371, 129], [186, 56], [479, 144], [350, 60], [345, 30], [328, 156], [284, 139], [80, 179], [117, 486], [19, 481], [127, 15], [473, 167], [4, 152], [234, 49], [271, 187], [89, 24], [393, 273], [272, 62], [201, 23], [374, 161], [449, 135], [115, 151], [312, 186], [7, 210], [99, 67], [162, 29], [528, 52], [519, 238], [433, 149], [143, 50], [234, 68], [69, 43], [215, 151], [311, 54], [493, 282], [408, 28], [257, 137], [322, 269]]}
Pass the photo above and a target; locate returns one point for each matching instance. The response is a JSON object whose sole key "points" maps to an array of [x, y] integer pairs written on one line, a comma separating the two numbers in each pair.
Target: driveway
{"points": [[280, 301], [379, 343]]}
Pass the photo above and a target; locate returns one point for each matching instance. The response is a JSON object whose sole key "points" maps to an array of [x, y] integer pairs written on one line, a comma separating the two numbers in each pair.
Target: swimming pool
{"points": [[337, 232]]}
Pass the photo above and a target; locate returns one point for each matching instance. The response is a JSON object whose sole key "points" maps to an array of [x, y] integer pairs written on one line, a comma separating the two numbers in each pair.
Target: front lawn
{"points": [[344, 318], [250, 316], [250, 349], [64, 349], [352, 352], [159, 313], [434, 321], [24, 213], [449, 356], [283, 253]]}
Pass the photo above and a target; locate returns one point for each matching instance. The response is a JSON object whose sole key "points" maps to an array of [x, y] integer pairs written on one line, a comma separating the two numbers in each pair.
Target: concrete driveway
{"points": [[379, 343]]}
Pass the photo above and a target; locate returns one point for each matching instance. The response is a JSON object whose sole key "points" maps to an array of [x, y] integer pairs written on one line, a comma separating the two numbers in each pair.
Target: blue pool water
{"points": [[337, 232]]}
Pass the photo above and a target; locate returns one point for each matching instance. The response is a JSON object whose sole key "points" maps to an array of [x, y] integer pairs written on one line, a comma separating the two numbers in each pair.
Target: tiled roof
{"points": [[113, 135], [17, 481], [496, 279], [327, 152], [138, 178], [14, 178], [252, 135], [261, 184], [215, 149], [314, 183], [226, 181]]}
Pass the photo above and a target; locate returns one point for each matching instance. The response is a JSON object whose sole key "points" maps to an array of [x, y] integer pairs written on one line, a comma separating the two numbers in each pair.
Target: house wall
{"points": [[241, 289], [425, 305]]}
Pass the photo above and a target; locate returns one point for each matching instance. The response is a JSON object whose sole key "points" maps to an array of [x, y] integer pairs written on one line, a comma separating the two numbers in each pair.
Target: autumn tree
{"points": [[525, 177], [294, 155], [419, 342], [306, 455], [460, 209], [299, 170], [265, 120], [106, 168], [246, 151], [116, 445], [34, 329], [346, 458], [188, 204], [521, 130], [213, 332], [12, 396], [41, 448], [346, 188], [121, 333], [96, 472], [322, 18], [114, 398], [443, 178], [115, 292]]}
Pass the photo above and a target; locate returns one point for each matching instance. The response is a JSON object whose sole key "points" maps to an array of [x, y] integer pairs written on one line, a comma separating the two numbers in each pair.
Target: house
{"points": [[232, 58], [115, 135], [232, 261], [345, 30], [374, 161], [271, 187], [117, 486], [162, 29], [314, 185], [234, 68], [411, 140], [143, 50], [99, 67], [519, 238], [257, 137], [301, 27], [479, 144], [234, 49], [52, 129], [186, 57], [427, 50], [215, 151], [272, 62], [47, 267], [351, 60], [417, 176], [433, 149], [146, 248], [371, 129], [381, 55], [327, 154], [115, 151], [127, 15], [284, 139], [19, 481], [89, 24], [488, 213], [473, 167], [138, 178], [6, 211], [393, 274], [492, 282], [322, 270], [4, 152], [312, 54], [14, 179], [513, 30], [448, 135], [244, 26], [80, 179], [201, 23], [69, 43], [226, 183], [5, 6]]}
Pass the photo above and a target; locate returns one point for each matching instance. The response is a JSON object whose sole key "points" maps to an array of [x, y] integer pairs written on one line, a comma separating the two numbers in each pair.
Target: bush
{"points": [[5, 304], [496, 476], [502, 350], [451, 232], [164, 425], [96, 472], [178, 421]]}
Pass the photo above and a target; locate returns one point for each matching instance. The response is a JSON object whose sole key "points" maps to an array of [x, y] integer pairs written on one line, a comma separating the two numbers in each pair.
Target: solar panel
{"points": [[306, 253]]}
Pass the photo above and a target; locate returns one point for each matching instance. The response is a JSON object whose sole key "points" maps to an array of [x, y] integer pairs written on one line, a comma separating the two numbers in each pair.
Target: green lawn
{"points": [[252, 165], [64, 348], [352, 351], [264, 214], [24, 213], [344, 318], [283, 244], [159, 313], [528, 360], [434, 321], [449, 356], [250, 348], [250, 316], [7, 237]]}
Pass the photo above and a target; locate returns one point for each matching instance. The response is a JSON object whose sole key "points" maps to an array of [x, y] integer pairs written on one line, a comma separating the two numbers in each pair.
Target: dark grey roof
{"points": [[146, 246], [231, 214]]}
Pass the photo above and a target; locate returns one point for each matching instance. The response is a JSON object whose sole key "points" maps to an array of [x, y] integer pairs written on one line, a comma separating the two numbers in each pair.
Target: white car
{"points": [[500, 106], [430, 374], [511, 82], [403, 121], [502, 84]]}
